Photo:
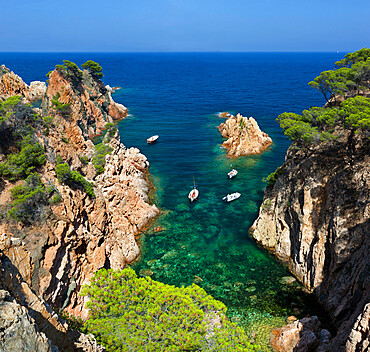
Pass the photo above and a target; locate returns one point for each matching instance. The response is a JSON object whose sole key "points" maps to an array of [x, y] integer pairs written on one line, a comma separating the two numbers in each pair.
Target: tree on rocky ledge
{"points": [[94, 68]]}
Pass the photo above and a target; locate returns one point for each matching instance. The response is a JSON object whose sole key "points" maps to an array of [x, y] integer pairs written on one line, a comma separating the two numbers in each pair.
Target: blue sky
{"points": [[187, 25]]}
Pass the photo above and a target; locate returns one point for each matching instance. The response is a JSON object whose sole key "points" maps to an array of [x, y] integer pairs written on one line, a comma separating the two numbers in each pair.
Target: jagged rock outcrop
{"points": [[11, 84], [316, 219], [18, 331], [77, 236], [92, 105], [244, 136], [304, 335], [359, 338], [26, 319]]}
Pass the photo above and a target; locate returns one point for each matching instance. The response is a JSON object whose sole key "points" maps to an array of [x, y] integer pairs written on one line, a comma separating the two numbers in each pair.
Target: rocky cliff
{"points": [[11, 84], [74, 224], [315, 217], [244, 137], [91, 104]]}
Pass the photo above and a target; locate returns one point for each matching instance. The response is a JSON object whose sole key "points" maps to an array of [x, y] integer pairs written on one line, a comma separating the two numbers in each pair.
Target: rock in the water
{"points": [[244, 136], [303, 335], [146, 272], [287, 280]]}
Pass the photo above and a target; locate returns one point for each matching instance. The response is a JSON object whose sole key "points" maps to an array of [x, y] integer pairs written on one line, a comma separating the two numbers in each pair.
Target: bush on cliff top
{"points": [[94, 68], [69, 69], [350, 79], [316, 123], [138, 314]]}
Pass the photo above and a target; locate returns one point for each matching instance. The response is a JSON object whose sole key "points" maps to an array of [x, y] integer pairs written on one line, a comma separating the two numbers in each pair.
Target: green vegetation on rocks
{"points": [[7, 107], [63, 109], [102, 149], [69, 69], [139, 314], [27, 199], [94, 68], [73, 178], [351, 81], [23, 163]]}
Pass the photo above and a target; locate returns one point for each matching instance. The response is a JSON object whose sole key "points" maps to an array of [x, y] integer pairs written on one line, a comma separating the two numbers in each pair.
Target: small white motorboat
{"points": [[232, 173], [230, 197], [152, 139], [193, 194]]}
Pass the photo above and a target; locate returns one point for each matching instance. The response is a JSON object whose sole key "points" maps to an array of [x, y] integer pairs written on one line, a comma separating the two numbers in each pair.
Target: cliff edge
{"points": [[315, 217]]}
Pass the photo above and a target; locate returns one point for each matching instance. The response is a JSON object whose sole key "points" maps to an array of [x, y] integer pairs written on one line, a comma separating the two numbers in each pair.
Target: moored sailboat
{"points": [[194, 193]]}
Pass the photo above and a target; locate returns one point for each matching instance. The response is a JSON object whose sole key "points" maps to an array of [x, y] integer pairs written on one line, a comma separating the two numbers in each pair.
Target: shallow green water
{"points": [[207, 242]]}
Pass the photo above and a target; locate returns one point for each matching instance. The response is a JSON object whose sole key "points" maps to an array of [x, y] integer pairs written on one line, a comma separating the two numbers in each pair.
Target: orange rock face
{"points": [[80, 235], [91, 103], [244, 136], [11, 84]]}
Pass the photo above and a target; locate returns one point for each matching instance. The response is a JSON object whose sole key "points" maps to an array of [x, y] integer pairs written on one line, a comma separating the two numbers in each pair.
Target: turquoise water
{"points": [[178, 96]]}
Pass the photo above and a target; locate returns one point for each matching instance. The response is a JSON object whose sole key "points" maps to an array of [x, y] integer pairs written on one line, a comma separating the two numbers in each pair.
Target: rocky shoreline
{"points": [[57, 251], [315, 219]]}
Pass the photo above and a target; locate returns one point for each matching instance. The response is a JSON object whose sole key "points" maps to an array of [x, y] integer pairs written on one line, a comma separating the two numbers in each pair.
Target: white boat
{"points": [[232, 173], [231, 197], [152, 139], [193, 195]]}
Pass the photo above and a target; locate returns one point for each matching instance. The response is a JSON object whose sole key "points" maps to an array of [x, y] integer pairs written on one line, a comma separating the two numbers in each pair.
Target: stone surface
{"points": [[244, 137], [316, 219], [37, 90], [359, 338], [303, 335], [18, 331], [11, 84], [91, 103]]}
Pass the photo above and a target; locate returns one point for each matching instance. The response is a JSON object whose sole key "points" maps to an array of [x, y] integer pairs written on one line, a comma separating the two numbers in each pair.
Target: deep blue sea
{"points": [[178, 96]]}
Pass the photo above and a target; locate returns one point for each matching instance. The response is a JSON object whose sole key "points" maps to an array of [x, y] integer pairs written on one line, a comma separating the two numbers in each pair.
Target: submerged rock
{"points": [[287, 280], [146, 272]]}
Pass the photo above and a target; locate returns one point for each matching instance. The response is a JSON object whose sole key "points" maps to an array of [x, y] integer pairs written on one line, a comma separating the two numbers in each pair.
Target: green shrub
{"points": [[110, 132], [94, 68], [73, 178], [63, 109], [57, 198], [138, 314], [98, 160], [266, 205], [271, 179], [84, 160], [27, 199], [65, 140], [22, 164], [7, 107]]}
